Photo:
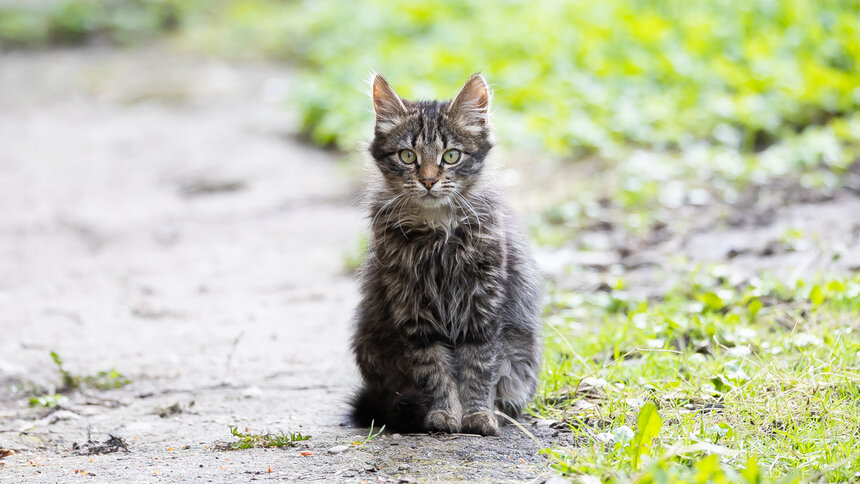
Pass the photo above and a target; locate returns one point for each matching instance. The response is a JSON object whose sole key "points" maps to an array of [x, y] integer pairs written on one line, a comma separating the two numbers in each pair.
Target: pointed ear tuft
{"points": [[472, 104], [386, 103]]}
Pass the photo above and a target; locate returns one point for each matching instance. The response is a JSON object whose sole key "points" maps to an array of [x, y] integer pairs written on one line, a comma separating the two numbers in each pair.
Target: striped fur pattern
{"points": [[448, 327]]}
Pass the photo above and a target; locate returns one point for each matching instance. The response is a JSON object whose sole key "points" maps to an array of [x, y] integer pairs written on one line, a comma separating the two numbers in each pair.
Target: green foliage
{"points": [[370, 435], [647, 427], [69, 381], [745, 89], [36, 24], [353, 259], [754, 383], [102, 380], [573, 74], [48, 401], [247, 440]]}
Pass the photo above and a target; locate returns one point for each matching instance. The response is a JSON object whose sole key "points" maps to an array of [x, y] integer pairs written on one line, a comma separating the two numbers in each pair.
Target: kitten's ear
{"points": [[472, 104], [386, 103]]}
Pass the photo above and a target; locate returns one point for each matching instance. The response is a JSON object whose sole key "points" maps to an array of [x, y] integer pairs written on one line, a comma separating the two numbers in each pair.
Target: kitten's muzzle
{"points": [[428, 182]]}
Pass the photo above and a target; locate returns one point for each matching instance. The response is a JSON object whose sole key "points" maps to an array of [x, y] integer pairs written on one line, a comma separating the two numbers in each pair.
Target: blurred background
{"points": [[681, 103], [689, 172]]}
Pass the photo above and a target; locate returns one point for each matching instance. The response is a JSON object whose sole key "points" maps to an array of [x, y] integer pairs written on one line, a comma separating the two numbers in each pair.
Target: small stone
{"points": [[396, 436], [58, 416], [251, 392], [337, 449], [556, 480], [403, 467]]}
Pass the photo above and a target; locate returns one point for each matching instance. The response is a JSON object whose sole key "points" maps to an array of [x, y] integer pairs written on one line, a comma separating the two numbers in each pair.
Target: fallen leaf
{"points": [[5, 453], [77, 471], [306, 453], [169, 449], [270, 469]]}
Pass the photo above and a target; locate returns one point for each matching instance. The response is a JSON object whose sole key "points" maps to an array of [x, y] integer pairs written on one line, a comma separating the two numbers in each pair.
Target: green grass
{"points": [[572, 75], [250, 440], [649, 187], [48, 400], [70, 22], [101, 380], [750, 384], [371, 435]]}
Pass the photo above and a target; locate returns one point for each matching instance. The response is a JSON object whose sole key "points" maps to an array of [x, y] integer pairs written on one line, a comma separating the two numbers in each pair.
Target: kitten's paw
{"points": [[441, 421], [482, 422]]}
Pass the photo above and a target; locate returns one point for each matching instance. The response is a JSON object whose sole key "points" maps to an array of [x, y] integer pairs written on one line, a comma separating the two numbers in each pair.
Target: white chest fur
{"points": [[439, 217]]}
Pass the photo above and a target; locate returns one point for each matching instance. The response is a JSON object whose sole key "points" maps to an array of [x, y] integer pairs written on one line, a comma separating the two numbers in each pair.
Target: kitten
{"points": [[448, 326]]}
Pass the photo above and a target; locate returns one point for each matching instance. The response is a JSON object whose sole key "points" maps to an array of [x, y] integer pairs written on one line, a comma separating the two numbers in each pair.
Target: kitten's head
{"points": [[431, 151]]}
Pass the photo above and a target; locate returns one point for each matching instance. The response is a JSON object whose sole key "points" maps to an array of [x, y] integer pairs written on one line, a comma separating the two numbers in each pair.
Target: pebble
{"points": [[337, 449], [396, 436], [251, 392], [556, 480], [58, 416], [403, 467]]}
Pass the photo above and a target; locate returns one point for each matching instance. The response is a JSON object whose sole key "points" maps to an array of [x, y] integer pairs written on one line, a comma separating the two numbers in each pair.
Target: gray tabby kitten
{"points": [[448, 326]]}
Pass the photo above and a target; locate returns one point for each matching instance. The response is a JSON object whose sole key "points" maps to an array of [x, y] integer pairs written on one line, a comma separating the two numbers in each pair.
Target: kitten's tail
{"points": [[402, 412]]}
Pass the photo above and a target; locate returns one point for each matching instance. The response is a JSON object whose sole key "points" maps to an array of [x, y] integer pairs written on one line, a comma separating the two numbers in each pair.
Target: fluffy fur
{"points": [[448, 326]]}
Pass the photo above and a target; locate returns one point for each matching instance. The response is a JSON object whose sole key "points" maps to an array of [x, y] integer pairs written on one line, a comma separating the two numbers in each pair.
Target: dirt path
{"points": [[159, 217]]}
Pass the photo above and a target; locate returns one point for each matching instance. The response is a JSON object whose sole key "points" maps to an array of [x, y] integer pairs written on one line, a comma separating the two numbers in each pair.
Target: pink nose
{"points": [[429, 182]]}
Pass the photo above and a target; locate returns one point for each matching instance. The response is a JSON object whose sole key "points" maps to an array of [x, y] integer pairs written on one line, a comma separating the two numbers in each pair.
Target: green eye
{"points": [[407, 156], [451, 156]]}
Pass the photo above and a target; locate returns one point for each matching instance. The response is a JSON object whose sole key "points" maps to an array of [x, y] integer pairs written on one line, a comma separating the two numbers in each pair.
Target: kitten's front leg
{"points": [[432, 370], [478, 363]]}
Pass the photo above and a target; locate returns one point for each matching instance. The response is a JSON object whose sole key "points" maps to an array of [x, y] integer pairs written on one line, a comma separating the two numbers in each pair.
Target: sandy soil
{"points": [[159, 216]]}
